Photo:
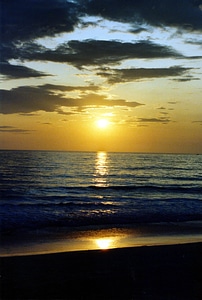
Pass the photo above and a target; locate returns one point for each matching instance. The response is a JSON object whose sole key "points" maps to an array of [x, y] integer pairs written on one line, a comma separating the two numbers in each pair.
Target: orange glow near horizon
{"points": [[104, 243]]}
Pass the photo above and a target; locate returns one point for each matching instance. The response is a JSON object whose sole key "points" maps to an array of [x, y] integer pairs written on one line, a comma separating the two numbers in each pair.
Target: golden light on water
{"points": [[101, 163], [101, 169]]}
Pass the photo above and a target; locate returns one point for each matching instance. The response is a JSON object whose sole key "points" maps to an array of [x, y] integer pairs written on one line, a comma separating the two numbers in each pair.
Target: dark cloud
{"points": [[186, 78], [153, 120], [163, 113], [133, 74], [31, 99], [142, 125], [6, 127], [147, 121], [26, 20], [16, 71], [185, 14], [62, 112], [29, 114], [95, 52], [194, 42], [7, 50], [29, 19], [12, 129], [137, 30], [64, 88], [198, 122], [23, 21], [85, 24]]}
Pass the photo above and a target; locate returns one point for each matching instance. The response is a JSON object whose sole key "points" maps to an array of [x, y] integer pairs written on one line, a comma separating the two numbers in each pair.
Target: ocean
{"points": [[46, 195]]}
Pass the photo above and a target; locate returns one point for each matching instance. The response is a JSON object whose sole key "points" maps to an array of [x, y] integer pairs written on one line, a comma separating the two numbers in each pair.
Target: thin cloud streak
{"points": [[16, 72], [132, 74], [12, 129]]}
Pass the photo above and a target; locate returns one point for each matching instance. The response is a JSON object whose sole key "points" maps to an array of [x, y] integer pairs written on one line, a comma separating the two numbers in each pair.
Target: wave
{"points": [[168, 188], [31, 221], [72, 196], [62, 204]]}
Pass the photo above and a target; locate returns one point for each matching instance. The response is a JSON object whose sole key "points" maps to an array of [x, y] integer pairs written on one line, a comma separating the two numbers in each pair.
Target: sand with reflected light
{"points": [[104, 243], [104, 239]]}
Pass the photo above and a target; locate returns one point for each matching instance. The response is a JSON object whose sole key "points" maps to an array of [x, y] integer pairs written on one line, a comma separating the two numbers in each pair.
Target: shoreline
{"points": [[156, 272], [181, 241], [96, 237]]}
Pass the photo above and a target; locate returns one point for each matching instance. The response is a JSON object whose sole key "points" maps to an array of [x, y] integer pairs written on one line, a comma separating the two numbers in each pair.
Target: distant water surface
{"points": [[48, 191]]}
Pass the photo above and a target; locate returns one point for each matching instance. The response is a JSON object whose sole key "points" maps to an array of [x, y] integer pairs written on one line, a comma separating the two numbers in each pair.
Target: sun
{"points": [[102, 123]]}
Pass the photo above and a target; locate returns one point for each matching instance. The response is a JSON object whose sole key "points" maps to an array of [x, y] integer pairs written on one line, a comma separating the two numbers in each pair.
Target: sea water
{"points": [[47, 191]]}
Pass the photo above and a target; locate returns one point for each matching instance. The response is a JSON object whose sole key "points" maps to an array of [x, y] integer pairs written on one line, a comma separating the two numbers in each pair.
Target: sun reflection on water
{"points": [[101, 169]]}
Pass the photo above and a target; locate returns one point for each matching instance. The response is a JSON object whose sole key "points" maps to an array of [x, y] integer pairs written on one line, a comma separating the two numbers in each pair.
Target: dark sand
{"points": [[172, 272]]}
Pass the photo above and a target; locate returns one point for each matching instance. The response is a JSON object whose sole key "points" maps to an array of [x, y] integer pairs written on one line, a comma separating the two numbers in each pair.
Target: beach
{"points": [[86, 225], [145, 272]]}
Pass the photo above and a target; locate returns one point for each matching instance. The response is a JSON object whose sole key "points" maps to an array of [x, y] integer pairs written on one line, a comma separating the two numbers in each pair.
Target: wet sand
{"points": [[95, 238], [171, 272]]}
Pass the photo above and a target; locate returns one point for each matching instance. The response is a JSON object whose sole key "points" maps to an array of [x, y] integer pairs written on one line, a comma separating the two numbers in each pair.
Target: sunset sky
{"points": [[135, 65]]}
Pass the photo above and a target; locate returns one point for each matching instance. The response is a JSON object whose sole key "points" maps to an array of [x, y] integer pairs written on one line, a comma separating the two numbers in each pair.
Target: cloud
{"points": [[29, 19], [29, 114], [16, 71], [143, 122], [153, 120], [133, 74], [95, 52], [184, 14], [6, 127], [12, 129], [198, 122], [62, 112], [23, 21], [101, 100], [186, 78], [163, 113], [194, 42], [137, 30], [27, 99], [64, 88]]}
